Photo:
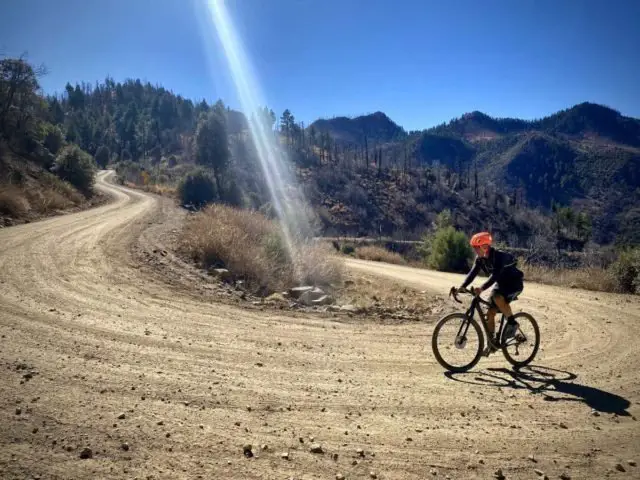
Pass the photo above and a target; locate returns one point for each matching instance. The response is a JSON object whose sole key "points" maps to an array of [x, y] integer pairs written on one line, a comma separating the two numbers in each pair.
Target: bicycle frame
{"points": [[475, 307]]}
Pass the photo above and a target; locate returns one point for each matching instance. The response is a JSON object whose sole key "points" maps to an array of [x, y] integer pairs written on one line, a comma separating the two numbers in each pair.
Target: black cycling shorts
{"points": [[509, 291]]}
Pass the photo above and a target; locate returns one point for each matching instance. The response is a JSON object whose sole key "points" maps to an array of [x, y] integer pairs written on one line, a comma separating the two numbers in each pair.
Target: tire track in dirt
{"points": [[98, 338]]}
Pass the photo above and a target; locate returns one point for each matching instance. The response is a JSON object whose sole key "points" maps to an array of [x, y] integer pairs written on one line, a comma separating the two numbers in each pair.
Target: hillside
{"points": [[363, 175], [29, 192], [586, 156], [41, 173]]}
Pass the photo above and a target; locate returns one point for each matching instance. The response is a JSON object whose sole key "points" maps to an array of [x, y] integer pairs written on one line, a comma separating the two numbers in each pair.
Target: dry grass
{"points": [[48, 200], [379, 254], [161, 189], [589, 278], [13, 202], [251, 247], [37, 197]]}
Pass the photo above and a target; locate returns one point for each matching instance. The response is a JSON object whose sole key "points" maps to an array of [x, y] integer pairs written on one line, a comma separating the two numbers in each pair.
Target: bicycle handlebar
{"points": [[455, 291]]}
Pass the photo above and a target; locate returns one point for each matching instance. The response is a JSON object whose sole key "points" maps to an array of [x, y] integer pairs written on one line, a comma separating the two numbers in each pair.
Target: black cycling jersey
{"points": [[502, 267]]}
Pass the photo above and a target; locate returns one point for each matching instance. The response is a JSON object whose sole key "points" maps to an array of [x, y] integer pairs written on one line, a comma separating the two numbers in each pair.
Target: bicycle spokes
{"points": [[457, 343], [519, 343]]}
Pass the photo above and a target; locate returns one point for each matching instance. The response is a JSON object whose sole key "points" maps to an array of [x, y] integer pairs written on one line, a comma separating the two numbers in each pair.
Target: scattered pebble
{"points": [[125, 446], [620, 468], [247, 450], [86, 453], [316, 448]]}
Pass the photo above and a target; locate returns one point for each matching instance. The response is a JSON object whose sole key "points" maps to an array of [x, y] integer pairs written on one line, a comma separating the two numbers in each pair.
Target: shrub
{"points": [[197, 188], [626, 271], [102, 156], [252, 247], [76, 167], [379, 254], [53, 138], [12, 202], [348, 249], [449, 251]]}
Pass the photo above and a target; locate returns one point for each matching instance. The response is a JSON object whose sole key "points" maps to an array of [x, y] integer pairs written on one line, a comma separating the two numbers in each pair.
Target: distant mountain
{"points": [[586, 155], [477, 126], [375, 128], [590, 119]]}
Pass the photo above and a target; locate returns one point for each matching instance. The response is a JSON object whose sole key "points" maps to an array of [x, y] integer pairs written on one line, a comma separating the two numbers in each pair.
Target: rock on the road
{"points": [[316, 448]]}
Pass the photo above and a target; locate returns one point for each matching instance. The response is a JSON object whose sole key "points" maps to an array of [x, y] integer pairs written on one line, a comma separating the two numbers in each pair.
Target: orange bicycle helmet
{"points": [[481, 239]]}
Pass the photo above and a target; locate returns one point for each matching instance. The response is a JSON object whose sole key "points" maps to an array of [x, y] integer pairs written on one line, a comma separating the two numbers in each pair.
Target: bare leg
{"points": [[491, 320], [491, 313], [502, 304]]}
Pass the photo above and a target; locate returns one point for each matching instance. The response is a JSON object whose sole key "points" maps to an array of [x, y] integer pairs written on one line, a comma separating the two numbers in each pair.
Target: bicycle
{"points": [[462, 322]]}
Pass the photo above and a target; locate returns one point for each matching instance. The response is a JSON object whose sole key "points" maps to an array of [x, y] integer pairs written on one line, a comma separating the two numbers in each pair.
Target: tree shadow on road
{"points": [[555, 386]]}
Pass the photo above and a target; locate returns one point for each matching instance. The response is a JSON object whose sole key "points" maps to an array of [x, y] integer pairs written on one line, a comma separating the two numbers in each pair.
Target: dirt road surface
{"points": [[146, 380]]}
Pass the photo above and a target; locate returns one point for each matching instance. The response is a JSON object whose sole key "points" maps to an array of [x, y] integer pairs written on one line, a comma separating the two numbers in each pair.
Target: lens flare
{"points": [[287, 199]]}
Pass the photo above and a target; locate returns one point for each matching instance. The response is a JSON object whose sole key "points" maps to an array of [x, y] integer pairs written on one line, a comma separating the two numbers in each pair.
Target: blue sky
{"points": [[420, 61]]}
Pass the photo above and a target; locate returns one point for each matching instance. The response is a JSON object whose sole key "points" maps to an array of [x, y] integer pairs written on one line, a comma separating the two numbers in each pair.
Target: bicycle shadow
{"points": [[555, 385]]}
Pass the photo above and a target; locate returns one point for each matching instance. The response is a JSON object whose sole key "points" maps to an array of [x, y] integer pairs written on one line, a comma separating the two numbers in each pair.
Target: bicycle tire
{"points": [[536, 346], [434, 343]]}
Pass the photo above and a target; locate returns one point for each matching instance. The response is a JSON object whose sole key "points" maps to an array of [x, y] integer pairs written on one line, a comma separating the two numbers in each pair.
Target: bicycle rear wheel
{"points": [[522, 349], [457, 342]]}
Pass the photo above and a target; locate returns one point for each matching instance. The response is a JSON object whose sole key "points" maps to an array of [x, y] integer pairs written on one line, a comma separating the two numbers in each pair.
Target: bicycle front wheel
{"points": [[457, 342]]}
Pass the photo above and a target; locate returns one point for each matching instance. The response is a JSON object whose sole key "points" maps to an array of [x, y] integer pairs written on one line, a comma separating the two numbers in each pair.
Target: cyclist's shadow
{"points": [[555, 385]]}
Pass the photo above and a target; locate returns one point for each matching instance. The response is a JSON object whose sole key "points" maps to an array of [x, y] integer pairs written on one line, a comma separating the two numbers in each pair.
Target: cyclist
{"points": [[503, 271]]}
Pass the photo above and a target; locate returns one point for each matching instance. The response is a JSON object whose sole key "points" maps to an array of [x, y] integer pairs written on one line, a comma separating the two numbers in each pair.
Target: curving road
{"points": [[158, 383]]}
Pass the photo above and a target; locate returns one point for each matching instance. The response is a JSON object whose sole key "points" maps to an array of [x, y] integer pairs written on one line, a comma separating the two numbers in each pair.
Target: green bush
{"points": [[276, 249], [102, 156], [348, 249], [76, 167], [53, 138], [449, 251], [197, 188], [626, 271]]}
